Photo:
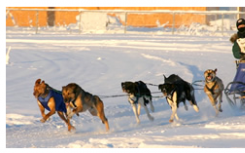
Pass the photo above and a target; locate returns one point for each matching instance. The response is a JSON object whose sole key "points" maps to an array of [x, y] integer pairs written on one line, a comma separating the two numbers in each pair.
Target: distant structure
{"points": [[59, 18]]}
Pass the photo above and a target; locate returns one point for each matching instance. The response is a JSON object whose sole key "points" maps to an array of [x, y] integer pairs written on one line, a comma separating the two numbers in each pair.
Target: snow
{"points": [[99, 63]]}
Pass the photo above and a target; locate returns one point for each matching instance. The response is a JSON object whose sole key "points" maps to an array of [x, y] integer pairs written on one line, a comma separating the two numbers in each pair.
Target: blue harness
{"points": [[59, 102]]}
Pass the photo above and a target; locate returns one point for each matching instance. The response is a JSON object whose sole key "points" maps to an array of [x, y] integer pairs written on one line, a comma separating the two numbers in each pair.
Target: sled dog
{"points": [[138, 95], [80, 101], [213, 88], [177, 90], [50, 99]]}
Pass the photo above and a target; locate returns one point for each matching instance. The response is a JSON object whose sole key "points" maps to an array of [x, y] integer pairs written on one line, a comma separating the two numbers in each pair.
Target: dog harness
{"points": [[59, 102], [211, 89], [134, 101]]}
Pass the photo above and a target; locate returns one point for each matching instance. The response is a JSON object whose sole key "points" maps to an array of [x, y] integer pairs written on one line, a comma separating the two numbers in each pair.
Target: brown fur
{"points": [[74, 94], [233, 38], [42, 89], [213, 88]]}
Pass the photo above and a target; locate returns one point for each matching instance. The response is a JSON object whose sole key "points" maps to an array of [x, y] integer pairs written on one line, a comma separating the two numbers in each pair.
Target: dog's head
{"points": [[39, 88], [128, 87], [210, 75], [166, 88], [70, 92]]}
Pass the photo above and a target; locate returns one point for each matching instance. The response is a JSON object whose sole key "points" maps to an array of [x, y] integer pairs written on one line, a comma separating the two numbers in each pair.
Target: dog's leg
{"points": [[100, 110], [139, 109], [135, 113], [151, 105], [195, 107], [51, 105], [42, 109], [211, 98], [216, 110], [220, 101], [186, 108], [176, 116], [173, 105], [75, 111], [68, 108], [148, 114], [141, 102], [67, 121]]}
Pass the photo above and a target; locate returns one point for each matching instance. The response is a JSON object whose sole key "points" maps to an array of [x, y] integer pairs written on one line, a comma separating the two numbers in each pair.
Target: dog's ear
{"points": [[37, 81], [164, 77], [43, 84], [63, 88], [215, 70]]}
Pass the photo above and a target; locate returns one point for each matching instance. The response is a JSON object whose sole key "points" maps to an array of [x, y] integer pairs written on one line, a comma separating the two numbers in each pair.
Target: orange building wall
{"points": [[23, 18], [147, 20]]}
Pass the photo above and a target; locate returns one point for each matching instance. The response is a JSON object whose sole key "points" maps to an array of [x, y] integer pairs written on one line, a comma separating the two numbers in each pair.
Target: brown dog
{"points": [[74, 96], [52, 100], [213, 88]]}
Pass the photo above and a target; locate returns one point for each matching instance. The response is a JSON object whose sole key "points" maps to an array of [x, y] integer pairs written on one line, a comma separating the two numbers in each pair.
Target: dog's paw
{"points": [[171, 121], [43, 120], [71, 128], [151, 118]]}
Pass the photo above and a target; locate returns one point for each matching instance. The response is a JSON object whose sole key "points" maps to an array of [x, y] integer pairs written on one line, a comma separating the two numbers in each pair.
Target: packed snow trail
{"points": [[99, 63]]}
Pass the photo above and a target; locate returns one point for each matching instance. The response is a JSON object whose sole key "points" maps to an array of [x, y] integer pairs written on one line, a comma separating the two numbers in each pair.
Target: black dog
{"points": [[138, 93], [176, 90]]}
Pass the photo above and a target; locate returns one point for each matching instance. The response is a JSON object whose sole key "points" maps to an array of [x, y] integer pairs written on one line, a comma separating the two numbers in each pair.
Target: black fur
{"points": [[138, 88], [184, 90]]}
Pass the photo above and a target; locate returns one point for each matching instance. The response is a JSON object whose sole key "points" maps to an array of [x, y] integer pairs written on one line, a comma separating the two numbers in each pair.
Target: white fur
{"points": [[136, 111], [173, 104]]}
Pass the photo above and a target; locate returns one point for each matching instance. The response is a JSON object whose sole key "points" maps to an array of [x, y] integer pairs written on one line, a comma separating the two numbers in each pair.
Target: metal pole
{"points": [[125, 24], [37, 21], [173, 24]]}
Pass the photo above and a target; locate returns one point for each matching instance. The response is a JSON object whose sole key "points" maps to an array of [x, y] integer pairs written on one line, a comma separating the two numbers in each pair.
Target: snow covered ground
{"points": [[99, 63]]}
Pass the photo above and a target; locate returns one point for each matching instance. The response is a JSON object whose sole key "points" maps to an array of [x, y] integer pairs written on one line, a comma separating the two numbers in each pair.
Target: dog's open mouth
{"points": [[209, 78]]}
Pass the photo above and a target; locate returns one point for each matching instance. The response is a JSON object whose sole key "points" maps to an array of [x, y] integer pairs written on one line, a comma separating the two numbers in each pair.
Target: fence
{"points": [[79, 21]]}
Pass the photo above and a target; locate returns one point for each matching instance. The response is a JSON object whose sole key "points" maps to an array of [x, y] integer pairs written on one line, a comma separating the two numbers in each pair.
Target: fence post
{"points": [[37, 22], [125, 24], [79, 22], [173, 24], [222, 28]]}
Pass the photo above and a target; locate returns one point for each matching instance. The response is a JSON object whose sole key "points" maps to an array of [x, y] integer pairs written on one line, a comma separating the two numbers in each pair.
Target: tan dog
{"points": [[50, 99], [80, 100], [213, 88]]}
